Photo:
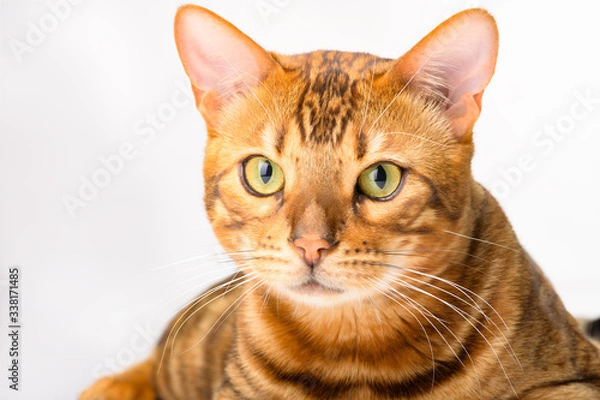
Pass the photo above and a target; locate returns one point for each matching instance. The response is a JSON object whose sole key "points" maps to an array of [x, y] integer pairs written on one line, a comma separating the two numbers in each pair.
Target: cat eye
{"points": [[380, 181], [262, 176]]}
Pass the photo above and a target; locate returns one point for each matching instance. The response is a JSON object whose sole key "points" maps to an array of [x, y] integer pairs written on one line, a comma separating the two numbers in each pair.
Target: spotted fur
{"points": [[424, 295]]}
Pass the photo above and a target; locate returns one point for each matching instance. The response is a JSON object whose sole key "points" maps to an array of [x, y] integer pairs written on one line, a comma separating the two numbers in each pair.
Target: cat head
{"points": [[329, 175]]}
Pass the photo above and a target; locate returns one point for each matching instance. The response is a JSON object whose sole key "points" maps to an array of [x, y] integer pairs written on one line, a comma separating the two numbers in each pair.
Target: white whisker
{"points": [[418, 137], [482, 241], [464, 290], [417, 305], [467, 317], [203, 256], [219, 321], [244, 279], [195, 288], [199, 257], [256, 97], [401, 91], [382, 290], [362, 125], [222, 269]]}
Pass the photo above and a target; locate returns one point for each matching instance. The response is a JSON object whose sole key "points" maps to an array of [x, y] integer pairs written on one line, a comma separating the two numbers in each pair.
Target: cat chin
{"points": [[315, 294], [316, 288]]}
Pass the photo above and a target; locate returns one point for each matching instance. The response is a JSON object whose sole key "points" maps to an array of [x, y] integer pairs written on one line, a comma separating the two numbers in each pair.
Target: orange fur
{"points": [[426, 294]]}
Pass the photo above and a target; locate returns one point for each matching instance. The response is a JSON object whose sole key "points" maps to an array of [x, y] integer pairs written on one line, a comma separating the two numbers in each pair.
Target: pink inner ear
{"points": [[467, 59], [457, 59], [216, 55]]}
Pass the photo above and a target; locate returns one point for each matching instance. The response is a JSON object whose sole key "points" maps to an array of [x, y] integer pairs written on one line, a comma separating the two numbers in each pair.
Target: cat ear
{"points": [[219, 59], [454, 62]]}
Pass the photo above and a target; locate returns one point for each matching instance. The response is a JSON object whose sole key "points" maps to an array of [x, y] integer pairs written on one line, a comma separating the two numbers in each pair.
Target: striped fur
{"points": [[427, 295]]}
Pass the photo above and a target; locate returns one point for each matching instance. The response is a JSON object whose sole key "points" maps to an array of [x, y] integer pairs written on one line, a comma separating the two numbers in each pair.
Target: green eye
{"points": [[262, 176], [380, 180]]}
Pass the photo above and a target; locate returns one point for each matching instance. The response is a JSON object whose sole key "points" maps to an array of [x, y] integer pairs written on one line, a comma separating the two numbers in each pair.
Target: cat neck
{"points": [[378, 331]]}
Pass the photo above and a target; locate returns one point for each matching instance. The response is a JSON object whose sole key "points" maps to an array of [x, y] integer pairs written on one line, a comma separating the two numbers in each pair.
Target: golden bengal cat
{"points": [[371, 264]]}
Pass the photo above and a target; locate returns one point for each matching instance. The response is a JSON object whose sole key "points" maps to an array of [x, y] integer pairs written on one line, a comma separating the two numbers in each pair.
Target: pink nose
{"points": [[311, 247]]}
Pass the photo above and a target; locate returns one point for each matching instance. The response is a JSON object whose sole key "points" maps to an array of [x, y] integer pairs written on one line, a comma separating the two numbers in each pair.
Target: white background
{"points": [[92, 297]]}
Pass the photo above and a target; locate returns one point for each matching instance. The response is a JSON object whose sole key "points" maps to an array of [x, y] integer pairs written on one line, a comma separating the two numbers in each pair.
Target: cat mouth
{"points": [[314, 287]]}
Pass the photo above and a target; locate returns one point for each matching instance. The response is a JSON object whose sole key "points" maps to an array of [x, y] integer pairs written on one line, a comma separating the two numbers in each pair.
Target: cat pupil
{"points": [[266, 171], [379, 176]]}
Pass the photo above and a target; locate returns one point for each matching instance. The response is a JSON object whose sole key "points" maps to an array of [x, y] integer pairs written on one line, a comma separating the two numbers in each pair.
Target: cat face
{"points": [[332, 177]]}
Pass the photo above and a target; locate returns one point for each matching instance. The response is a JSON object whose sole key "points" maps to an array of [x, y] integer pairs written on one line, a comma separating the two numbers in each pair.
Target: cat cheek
{"points": [[244, 206]]}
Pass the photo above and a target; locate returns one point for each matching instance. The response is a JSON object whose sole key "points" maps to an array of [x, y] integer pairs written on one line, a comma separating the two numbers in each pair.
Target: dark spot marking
{"points": [[592, 382], [444, 370], [361, 145], [310, 384], [280, 140], [440, 203], [404, 230], [326, 103], [234, 225]]}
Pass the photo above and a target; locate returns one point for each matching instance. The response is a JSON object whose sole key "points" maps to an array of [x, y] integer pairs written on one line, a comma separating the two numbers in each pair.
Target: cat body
{"points": [[371, 264]]}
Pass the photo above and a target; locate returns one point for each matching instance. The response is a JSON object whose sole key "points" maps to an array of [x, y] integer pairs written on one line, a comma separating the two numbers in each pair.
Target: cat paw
{"points": [[113, 388]]}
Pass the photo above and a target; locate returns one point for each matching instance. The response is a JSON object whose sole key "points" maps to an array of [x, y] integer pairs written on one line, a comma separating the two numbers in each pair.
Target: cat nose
{"points": [[311, 247]]}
